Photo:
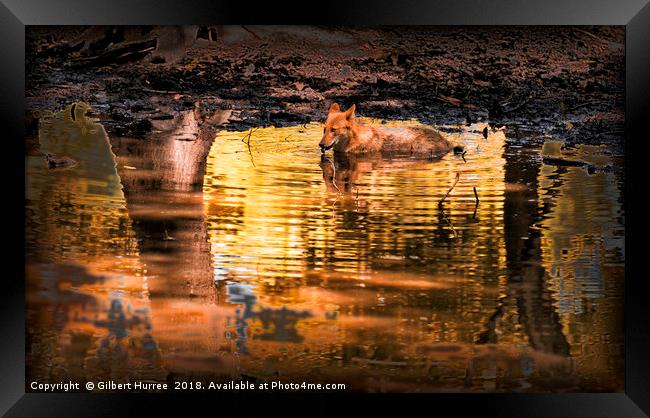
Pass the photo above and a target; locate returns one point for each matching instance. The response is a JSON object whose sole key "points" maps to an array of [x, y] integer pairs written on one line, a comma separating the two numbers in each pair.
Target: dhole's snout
{"points": [[324, 146]]}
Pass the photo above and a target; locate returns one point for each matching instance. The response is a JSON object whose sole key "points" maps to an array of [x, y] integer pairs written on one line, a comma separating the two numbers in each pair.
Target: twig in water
{"points": [[167, 237], [477, 202], [463, 155], [489, 335], [334, 177], [450, 189], [444, 216], [334, 205], [356, 200], [247, 137], [247, 140]]}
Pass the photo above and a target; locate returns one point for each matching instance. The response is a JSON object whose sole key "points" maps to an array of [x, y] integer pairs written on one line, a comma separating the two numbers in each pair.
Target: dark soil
{"points": [[564, 83]]}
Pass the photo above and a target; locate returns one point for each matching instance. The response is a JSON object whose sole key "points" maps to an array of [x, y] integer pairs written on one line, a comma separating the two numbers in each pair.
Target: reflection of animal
{"points": [[343, 133], [341, 173]]}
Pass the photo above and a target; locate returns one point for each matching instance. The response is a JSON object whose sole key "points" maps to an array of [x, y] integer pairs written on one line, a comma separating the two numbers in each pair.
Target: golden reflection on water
{"points": [[87, 292], [583, 251], [275, 219], [355, 264], [324, 269]]}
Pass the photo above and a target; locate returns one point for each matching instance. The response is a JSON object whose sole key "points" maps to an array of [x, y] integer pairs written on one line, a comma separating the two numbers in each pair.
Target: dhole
{"points": [[343, 133]]}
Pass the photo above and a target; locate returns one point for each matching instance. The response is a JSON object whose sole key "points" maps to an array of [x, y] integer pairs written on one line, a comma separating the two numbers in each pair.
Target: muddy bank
{"points": [[565, 83]]}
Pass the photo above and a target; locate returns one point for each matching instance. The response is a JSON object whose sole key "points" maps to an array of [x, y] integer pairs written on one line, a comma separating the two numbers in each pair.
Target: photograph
{"points": [[325, 209]]}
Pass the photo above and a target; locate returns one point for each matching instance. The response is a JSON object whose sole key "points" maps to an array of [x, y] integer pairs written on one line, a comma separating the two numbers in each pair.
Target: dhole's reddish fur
{"points": [[343, 133]]}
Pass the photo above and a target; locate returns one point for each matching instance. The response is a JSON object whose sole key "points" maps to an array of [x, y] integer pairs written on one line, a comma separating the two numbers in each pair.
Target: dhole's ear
{"points": [[335, 108], [349, 114]]}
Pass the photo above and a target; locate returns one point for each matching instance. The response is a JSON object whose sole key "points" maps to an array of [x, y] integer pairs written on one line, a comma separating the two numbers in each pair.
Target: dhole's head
{"points": [[337, 131]]}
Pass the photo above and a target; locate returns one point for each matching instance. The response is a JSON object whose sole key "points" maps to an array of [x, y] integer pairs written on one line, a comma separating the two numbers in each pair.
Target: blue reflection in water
{"points": [[279, 324], [241, 293], [118, 323]]}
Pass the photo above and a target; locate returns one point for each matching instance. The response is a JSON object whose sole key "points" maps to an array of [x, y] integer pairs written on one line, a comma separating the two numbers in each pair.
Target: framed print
{"points": [[428, 201]]}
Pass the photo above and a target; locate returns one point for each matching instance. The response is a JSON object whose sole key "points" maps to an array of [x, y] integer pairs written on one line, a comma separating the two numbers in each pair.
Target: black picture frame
{"points": [[634, 14]]}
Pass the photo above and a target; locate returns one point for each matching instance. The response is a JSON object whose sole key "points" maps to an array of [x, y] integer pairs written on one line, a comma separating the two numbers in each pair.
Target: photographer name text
{"points": [[142, 386]]}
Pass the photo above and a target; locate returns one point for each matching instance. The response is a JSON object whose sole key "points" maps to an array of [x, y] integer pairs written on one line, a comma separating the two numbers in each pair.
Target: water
{"points": [[262, 260]]}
